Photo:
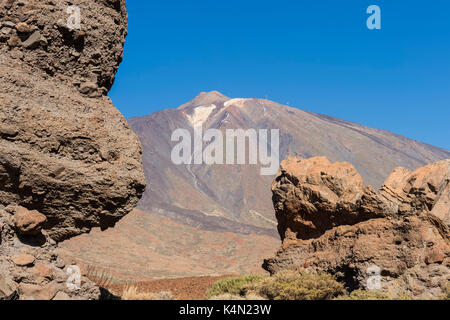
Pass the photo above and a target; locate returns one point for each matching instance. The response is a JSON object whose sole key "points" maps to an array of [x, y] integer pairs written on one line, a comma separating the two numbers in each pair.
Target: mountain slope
{"points": [[220, 197]]}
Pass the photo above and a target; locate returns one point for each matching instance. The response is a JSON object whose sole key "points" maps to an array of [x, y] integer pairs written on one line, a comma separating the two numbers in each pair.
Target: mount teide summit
{"points": [[237, 198]]}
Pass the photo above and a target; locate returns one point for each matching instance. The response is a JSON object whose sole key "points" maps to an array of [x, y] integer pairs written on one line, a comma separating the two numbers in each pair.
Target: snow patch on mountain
{"points": [[236, 102], [200, 115]]}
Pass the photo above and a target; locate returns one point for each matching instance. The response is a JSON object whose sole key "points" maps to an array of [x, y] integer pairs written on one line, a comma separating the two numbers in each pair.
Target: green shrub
{"points": [[229, 297], [232, 286], [446, 295], [297, 285], [371, 295]]}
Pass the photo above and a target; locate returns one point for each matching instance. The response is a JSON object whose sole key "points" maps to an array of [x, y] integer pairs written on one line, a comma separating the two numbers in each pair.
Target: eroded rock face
{"points": [[31, 267], [312, 196], [72, 158], [68, 159], [45, 34], [423, 190], [68, 154], [330, 223]]}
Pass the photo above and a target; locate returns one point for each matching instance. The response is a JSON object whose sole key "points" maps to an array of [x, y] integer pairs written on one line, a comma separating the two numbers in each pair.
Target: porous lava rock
{"points": [[396, 240]]}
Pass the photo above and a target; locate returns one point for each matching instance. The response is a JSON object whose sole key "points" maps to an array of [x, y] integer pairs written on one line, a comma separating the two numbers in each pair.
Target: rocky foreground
{"points": [[396, 241], [68, 159]]}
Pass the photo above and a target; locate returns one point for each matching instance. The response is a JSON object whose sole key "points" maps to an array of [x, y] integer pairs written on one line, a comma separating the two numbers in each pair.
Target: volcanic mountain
{"points": [[219, 219], [237, 198]]}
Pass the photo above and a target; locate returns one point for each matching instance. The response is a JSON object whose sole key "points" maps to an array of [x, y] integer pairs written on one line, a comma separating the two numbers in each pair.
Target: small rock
{"points": [[435, 256], [60, 263], [90, 89], [36, 292], [14, 41], [8, 131], [4, 34], [23, 259], [44, 270], [35, 40], [22, 27], [5, 31], [61, 296], [8, 24], [8, 288], [28, 222]]}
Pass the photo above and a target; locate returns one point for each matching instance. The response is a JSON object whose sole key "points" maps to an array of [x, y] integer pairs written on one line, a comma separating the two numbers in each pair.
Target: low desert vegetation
{"points": [[297, 285], [371, 295], [285, 285], [294, 285], [132, 293], [231, 286], [103, 278], [446, 295], [229, 297]]}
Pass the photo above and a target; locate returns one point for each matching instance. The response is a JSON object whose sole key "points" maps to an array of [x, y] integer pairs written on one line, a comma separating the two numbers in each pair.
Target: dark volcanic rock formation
{"points": [[330, 223], [68, 159]]}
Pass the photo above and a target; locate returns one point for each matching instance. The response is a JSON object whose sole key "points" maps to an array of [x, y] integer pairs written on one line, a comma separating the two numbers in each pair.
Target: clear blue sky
{"points": [[315, 55]]}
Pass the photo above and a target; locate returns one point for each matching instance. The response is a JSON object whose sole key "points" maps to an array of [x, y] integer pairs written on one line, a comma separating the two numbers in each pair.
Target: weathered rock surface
{"points": [[32, 269], [68, 159], [315, 195], [8, 288], [23, 259], [423, 190], [330, 223], [68, 155], [28, 222], [50, 40], [72, 158]]}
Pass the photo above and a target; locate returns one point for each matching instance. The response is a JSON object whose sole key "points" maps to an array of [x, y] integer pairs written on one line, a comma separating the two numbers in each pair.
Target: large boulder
{"points": [[312, 196], [68, 154], [424, 190], [330, 222], [68, 159]]}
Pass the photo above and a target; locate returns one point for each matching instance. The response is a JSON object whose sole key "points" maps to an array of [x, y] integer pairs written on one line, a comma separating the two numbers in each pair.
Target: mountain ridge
{"points": [[374, 152]]}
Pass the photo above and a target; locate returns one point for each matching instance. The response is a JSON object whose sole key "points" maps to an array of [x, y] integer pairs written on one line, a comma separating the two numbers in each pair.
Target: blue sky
{"points": [[315, 55]]}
